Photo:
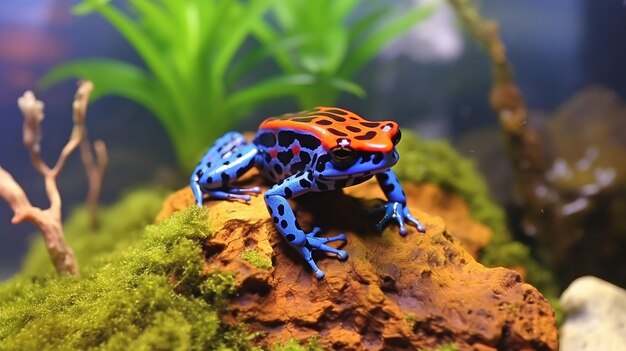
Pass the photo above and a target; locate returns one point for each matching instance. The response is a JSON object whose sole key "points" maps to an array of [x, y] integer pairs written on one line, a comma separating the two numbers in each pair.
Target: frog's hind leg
{"points": [[223, 163], [287, 225]]}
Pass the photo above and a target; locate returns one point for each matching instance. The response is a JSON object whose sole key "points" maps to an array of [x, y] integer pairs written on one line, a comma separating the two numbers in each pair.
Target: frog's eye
{"points": [[342, 156], [396, 138]]}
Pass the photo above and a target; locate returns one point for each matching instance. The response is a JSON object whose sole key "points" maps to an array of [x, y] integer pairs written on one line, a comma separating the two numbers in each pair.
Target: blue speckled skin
{"points": [[298, 162]]}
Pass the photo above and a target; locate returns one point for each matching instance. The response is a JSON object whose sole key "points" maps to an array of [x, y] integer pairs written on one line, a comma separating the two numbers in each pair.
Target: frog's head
{"points": [[347, 145], [368, 152]]}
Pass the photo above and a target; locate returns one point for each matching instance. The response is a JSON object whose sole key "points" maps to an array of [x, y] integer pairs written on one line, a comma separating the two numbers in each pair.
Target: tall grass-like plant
{"points": [[196, 79], [187, 47], [337, 39]]}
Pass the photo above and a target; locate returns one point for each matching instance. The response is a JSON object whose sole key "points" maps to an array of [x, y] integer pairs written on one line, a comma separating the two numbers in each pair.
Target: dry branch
{"points": [[506, 98], [95, 163], [523, 143], [48, 220]]}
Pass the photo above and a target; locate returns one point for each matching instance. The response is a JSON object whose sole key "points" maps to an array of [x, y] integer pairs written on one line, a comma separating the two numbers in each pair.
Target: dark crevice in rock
{"points": [[212, 248], [255, 286]]}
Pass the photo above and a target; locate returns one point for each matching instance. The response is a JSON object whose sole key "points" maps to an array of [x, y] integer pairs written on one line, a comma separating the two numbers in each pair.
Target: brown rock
{"points": [[393, 293], [435, 201]]}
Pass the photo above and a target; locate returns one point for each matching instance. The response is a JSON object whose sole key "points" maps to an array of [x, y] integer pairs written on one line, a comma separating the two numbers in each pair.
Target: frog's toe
{"points": [[228, 195], [416, 222], [314, 232], [420, 227], [319, 274], [245, 198], [400, 213], [403, 230], [342, 255], [254, 190]]}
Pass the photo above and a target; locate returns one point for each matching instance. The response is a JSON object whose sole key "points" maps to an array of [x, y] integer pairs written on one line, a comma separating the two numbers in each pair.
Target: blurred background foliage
{"points": [[195, 77]]}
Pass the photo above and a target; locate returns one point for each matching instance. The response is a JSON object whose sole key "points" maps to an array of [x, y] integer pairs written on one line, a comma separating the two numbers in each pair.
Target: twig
{"points": [[538, 198], [523, 143], [48, 220], [506, 98], [95, 163]]}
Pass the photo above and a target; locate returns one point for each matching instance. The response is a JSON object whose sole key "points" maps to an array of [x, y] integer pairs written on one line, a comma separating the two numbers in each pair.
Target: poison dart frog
{"points": [[321, 149]]}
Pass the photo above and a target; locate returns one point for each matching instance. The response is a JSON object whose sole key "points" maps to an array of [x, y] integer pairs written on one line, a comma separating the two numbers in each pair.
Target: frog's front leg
{"points": [[287, 224], [396, 208], [227, 160]]}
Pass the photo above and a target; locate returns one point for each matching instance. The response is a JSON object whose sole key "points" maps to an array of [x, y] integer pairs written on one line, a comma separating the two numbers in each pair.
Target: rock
{"points": [[595, 316], [577, 217], [393, 293], [474, 236], [585, 229]]}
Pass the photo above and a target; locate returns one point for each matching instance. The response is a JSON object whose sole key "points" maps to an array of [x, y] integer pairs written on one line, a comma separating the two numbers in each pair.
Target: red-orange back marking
{"points": [[331, 124]]}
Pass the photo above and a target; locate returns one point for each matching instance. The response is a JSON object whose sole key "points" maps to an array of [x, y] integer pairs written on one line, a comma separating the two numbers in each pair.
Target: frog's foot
{"points": [[255, 190], [234, 193], [399, 212], [314, 243]]}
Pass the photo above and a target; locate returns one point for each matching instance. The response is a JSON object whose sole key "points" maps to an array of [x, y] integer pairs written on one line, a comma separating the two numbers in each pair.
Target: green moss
{"points": [[444, 347], [439, 163], [121, 225], [257, 259], [147, 294], [294, 345]]}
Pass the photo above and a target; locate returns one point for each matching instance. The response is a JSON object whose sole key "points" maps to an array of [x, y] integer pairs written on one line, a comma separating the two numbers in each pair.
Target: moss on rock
{"points": [[148, 293], [120, 226], [257, 259], [294, 345]]}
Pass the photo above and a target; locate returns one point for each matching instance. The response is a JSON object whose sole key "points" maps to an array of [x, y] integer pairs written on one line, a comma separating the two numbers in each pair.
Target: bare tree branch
{"points": [[32, 110], [48, 220], [523, 143], [95, 167], [81, 100]]}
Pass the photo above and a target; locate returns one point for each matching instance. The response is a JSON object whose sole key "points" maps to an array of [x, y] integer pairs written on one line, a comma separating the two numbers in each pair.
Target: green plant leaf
{"points": [[157, 21], [347, 86], [286, 11], [177, 9], [289, 85], [340, 10], [176, 41], [336, 49], [267, 36], [270, 88], [368, 22], [146, 47], [378, 39], [235, 38], [88, 6], [254, 58], [111, 77]]}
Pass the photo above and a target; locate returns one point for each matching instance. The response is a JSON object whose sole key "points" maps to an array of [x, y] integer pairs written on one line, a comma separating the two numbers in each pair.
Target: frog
{"points": [[317, 150]]}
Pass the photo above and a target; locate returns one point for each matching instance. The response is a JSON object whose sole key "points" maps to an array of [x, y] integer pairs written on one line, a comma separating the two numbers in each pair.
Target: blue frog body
{"points": [[311, 151]]}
